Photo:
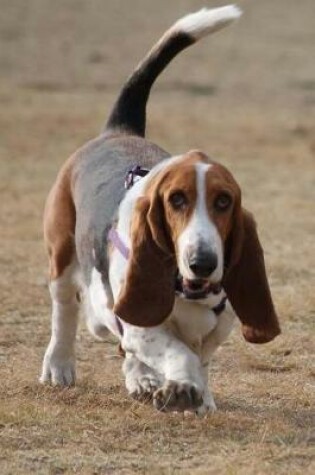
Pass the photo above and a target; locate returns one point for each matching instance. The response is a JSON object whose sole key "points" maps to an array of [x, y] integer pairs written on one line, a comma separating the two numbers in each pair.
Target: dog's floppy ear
{"points": [[147, 297], [245, 281]]}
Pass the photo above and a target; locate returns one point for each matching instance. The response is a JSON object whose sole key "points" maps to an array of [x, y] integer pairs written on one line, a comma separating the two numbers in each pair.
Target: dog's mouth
{"points": [[197, 289]]}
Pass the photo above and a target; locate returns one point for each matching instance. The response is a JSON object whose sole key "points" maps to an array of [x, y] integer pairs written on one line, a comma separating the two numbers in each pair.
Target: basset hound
{"points": [[158, 248]]}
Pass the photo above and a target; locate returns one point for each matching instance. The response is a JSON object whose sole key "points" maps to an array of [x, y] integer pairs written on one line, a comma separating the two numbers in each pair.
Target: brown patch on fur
{"points": [[147, 297], [220, 180], [59, 222], [179, 176], [246, 284], [178, 179]]}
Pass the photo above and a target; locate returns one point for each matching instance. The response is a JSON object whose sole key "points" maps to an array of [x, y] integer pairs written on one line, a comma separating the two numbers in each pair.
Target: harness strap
{"points": [[133, 173], [116, 240]]}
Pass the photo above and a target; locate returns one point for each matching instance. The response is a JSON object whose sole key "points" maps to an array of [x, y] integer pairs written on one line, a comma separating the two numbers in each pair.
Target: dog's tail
{"points": [[129, 111]]}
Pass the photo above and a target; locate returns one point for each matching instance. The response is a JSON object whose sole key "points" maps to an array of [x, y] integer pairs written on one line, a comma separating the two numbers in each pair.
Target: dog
{"points": [[157, 247]]}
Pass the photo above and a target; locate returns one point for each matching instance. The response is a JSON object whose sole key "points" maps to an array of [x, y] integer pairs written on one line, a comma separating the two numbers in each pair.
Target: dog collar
{"points": [[217, 289]]}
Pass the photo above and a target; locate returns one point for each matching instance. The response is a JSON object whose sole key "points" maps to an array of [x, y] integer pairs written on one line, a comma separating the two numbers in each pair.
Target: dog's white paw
{"points": [[176, 396], [58, 367], [141, 380], [207, 407], [143, 387]]}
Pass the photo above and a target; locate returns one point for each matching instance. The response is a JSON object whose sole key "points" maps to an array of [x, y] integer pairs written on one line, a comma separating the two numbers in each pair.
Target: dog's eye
{"points": [[222, 202], [178, 200]]}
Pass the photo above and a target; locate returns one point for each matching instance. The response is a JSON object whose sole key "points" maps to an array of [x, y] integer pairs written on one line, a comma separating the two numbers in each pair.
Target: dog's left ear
{"points": [[147, 297], [245, 281]]}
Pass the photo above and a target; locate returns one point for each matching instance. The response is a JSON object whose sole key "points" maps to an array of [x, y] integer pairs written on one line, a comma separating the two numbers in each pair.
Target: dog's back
{"points": [[99, 188]]}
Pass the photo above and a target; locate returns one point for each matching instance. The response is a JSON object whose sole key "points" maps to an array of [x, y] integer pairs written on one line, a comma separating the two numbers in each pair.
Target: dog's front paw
{"points": [[177, 396], [141, 381], [58, 367], [207, 407], [143, 388]]}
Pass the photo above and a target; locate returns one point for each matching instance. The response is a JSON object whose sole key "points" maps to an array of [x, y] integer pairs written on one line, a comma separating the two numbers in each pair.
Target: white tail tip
{"points": [[207, 21]]}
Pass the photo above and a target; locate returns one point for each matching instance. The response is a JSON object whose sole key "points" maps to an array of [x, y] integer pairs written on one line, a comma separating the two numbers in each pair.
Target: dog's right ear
{"points": [[148, 294]]}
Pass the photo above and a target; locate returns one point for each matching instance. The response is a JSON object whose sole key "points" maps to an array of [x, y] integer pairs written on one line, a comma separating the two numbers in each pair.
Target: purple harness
{"points": [[119, 244], [134, 172]]}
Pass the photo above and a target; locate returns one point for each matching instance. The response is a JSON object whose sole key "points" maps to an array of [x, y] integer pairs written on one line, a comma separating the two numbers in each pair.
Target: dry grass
{"points": [[247, 96]]}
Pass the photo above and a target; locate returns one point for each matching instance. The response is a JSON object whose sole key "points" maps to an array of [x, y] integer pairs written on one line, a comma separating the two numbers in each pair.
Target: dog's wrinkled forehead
{"points": [[181, 173]]}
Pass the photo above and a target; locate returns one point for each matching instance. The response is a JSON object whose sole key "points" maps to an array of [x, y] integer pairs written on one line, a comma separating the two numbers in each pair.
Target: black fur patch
{"points": [[129, 112]]}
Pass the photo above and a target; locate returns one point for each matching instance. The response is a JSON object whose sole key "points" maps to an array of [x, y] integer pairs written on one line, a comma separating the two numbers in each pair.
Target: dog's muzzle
{"points": [[196, 289]]}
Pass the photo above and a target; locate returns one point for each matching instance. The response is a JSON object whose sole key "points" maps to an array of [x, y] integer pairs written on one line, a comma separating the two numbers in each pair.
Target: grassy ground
{"points": [[247, 97]]}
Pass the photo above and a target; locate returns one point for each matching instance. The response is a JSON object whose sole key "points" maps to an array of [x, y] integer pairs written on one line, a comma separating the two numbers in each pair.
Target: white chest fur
{"points": [[192, 322]]}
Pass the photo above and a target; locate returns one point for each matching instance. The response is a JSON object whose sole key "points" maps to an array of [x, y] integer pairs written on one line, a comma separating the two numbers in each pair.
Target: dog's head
{"points": [[190, 221]]}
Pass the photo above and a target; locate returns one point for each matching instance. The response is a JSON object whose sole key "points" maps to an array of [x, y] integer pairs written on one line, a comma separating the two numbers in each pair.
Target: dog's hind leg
{"points": [[59, 360], [59, 221]]}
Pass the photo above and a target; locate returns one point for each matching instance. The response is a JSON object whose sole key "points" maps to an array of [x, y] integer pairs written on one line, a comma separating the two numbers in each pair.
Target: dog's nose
{"points": [[203, 264]]}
